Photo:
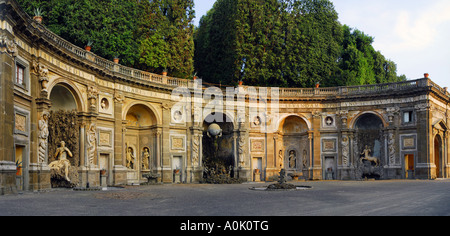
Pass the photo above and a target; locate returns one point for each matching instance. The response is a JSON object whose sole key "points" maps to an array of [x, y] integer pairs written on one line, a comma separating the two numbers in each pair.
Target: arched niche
{"points": [[63, 120], [219, 152], [293, 151], [140, 115], [369, 145], [140, 123], [293, 125], [63, 98]]}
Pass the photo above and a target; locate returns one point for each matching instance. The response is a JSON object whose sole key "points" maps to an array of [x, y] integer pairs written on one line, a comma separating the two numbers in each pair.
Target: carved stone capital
{"points": [[8, 45]]}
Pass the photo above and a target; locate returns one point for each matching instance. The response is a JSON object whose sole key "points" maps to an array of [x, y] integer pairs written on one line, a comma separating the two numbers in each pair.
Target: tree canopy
{"points": [[285, 43], [152, 35]]}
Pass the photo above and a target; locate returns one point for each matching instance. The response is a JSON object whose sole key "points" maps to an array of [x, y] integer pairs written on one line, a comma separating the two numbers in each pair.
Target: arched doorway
{"points": [[438, 155], [294, 151], [139, 143], [369, 146]]}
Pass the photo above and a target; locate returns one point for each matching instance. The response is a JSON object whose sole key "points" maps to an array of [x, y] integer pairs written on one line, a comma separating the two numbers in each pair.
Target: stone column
{"points": [[167, 173], [317, 160], [425, 142], [7, 165], [158, 157], [119, 170], [196, 154], [311, 154]]}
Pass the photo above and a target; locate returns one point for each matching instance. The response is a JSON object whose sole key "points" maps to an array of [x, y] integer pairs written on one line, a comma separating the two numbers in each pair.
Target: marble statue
{"points": [[367, 156], [43, 135], [130, 158], [62, 163], [145, 159]]}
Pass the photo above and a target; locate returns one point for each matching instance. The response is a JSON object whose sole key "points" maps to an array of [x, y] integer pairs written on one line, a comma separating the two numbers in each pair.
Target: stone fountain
{"points": [[218, 168], [282, 184]]}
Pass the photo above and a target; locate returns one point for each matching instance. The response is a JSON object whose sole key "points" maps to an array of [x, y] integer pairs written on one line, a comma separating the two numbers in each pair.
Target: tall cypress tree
{"points": [[288, 43]]}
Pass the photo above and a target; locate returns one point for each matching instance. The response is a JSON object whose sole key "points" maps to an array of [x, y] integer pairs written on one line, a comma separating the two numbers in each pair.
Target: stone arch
{"points": [[365, 113], [282, 121], [141, 124], [438, 145], [369, 145], [219, 153], [294, 129], [142, 114], [218, 117], [62, 91]]}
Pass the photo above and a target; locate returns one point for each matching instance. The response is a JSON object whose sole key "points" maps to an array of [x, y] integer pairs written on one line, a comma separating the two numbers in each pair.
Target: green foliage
{"points": [[128, 29], [285, 43], [360, 64]]}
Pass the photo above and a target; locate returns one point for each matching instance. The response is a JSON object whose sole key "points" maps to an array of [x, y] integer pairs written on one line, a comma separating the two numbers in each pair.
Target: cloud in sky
{"points": [[419, 32], [412, 33]]}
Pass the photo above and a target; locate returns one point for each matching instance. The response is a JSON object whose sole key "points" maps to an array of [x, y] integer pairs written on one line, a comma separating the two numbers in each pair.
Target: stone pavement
{"points": [[326, 198]]}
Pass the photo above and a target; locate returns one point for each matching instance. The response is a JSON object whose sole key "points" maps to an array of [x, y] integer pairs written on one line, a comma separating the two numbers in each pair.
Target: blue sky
{"points": [[413, 33]]}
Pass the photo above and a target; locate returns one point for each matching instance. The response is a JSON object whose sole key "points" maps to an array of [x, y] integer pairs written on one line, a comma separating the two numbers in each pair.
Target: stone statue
{"points": [[92, 140], [62, 163], [43, 77], [92, 96], [305, 159], [292, 159], [280, 158], [130, 158], [43, 135], [367, 156], [145, 159]]}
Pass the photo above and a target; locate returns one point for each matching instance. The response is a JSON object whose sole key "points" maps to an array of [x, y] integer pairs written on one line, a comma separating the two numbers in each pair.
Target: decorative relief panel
{"points": [[21, 122], [409, 142], [105, 137], [257, 145], [329, 145], [177, 143]]}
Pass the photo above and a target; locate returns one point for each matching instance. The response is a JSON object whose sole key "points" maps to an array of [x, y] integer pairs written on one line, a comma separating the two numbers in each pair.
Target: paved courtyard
{"points": [[353, 198]]}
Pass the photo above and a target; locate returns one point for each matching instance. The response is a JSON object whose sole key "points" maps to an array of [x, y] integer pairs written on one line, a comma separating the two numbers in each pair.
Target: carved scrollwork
{"points": [[9, 45]]}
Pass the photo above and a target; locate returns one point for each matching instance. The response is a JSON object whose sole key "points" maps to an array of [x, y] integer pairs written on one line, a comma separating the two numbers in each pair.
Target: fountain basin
{"points": [[281, 187]]}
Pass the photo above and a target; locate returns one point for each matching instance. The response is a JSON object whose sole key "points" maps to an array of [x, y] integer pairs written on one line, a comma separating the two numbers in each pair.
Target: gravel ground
{"points": [[325, 198]]}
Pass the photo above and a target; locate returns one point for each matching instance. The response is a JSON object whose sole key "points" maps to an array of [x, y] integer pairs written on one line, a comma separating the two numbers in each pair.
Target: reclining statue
{"points": [[62, 163]]}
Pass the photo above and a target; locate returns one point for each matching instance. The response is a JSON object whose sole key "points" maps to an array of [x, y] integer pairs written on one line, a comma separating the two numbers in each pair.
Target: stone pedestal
{"points": [[120, 175], [244, 174], [103, 183], [40, 178], [256, 176], [89, 175], [177, 177]]}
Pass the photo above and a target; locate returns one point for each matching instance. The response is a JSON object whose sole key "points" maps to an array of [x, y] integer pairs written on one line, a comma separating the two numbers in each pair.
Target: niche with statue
{"points": [[369, 149], [218, 154], [63, 148]]}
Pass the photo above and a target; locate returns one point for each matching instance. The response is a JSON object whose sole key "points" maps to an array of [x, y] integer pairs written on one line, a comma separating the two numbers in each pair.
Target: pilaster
{"points": [[7, 155]]}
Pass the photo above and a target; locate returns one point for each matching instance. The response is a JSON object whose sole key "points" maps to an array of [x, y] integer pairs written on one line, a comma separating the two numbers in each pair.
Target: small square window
{"points": [[407, 117]]}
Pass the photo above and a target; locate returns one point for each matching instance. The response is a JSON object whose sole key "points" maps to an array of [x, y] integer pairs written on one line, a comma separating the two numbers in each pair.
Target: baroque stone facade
{"points": [[134, 126]]}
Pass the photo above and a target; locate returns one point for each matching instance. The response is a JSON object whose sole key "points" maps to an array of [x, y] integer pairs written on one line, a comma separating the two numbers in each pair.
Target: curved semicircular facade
{"points": [[125, 126]]}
